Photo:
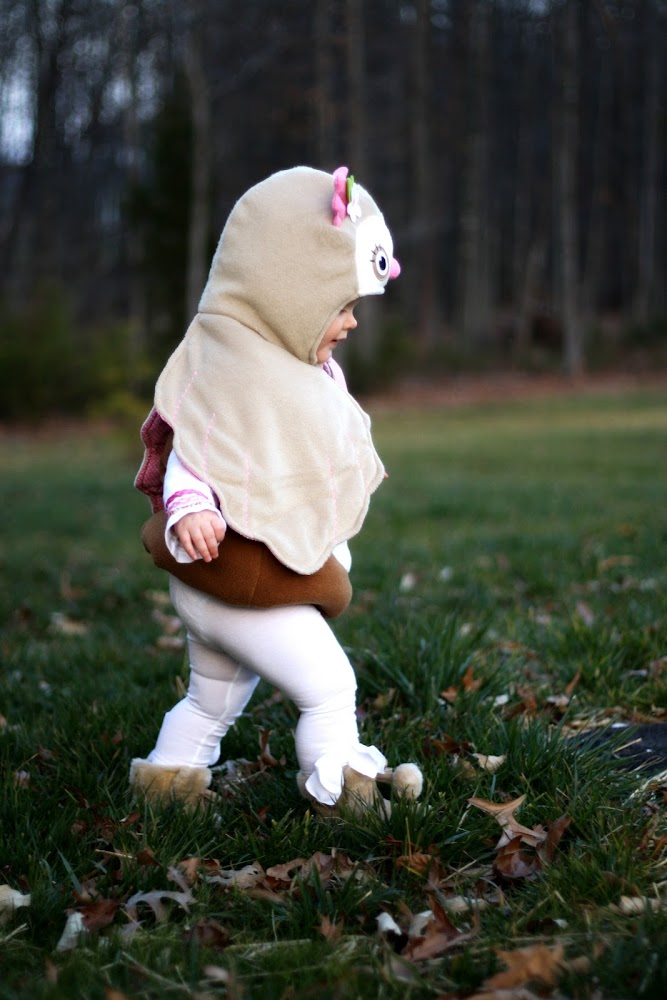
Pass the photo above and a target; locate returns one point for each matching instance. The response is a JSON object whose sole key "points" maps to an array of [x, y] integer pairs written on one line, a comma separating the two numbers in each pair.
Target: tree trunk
{"points": [[26, 246], [595, 247], [324, 143], [201, 165], [356, 125], [649, 185], [567, 201], [475, 305], [423, 188]]}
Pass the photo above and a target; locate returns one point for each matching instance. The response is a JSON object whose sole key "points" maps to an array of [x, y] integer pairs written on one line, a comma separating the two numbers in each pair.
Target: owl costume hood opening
{"points": [[287, 452]]}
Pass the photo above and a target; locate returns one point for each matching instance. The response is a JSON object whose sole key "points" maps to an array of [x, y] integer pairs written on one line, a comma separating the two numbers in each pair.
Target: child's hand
{"points": [[200, 534]]}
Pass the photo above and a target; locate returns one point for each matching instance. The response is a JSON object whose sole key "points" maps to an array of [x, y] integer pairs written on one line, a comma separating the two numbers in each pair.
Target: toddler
{"points": [[270, 468]]}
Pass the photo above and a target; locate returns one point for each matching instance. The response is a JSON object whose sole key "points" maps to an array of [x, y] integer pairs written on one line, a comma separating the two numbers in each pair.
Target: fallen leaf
{"points": [[488, 762], [513, 862], [463, 904], [155, 899], [503, 813], [555, 831], [417, 863], [283, 873], [469, 682], [98, 914], [241, 878], [217, 973], [634, 906], [208, 933], [74, 929], [540, 961], [170, 623], [64, 625], [438, 936], [516, 994], [329, 930], [611, 562], [170, 642], [21, 779], [147, 858], [10, 901], [585, 612]]}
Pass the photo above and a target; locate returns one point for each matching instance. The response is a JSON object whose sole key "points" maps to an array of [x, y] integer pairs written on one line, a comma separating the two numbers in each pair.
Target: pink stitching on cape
{"points": [[205, 451], [179, 401], [334, 497], [358, 461], [246, 495]]}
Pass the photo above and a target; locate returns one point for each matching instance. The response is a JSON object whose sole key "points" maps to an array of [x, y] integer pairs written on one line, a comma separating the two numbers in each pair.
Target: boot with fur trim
{"points": [[161, 785], [361, 794]]}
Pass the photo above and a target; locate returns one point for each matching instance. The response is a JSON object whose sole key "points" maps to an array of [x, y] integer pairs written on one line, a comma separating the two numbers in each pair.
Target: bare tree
{"points": [[474, 251], [193, 60], [567, 195], [422, 175], [650, 168]]}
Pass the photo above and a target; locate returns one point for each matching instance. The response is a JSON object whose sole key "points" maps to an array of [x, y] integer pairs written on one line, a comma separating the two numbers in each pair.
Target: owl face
{"points": [[374, 256]]}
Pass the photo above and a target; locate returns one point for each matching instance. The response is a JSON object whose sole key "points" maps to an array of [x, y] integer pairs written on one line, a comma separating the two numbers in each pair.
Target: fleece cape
{"points": [[287, 452]]}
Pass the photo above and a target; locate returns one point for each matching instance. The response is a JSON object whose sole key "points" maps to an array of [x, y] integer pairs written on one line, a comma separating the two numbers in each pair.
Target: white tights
{"points": [[292, 648]]}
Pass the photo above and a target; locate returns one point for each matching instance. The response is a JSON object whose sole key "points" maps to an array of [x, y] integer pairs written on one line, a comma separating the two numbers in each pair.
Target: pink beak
{"points": [[395, 268]]}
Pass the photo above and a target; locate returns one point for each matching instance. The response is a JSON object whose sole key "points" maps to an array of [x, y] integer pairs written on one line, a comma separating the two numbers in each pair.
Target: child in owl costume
{"points": [[260, 467]]}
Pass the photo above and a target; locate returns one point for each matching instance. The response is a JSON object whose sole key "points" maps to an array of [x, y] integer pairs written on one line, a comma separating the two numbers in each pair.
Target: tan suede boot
{"points": [[361, 794], [160, 785]]}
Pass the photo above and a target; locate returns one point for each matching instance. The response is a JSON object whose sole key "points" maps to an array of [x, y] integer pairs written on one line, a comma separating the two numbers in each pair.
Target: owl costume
{"points": [[287, 453]]}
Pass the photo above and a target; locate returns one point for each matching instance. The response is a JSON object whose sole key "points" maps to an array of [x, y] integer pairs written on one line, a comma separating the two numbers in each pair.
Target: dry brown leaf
{"points": [[208, 933], [241, 878], [98, 914], [329, 930], [450, 694], [516, 994], [438, 936], [110, 994], [72, 932], [155, 899], [147, 858], [285, 872], [513, 862], [64, 625], [611, 562], [488, 762], [463, 904], [417, 863], [585, 612], [10, 901], [539, 961], [469, 682], [171, 624], [503, 813], [555, 831], [635, 906], [171, 642]]}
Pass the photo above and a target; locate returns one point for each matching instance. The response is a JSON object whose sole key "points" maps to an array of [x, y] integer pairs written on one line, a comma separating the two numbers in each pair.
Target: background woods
{"points": [[516, 146]]}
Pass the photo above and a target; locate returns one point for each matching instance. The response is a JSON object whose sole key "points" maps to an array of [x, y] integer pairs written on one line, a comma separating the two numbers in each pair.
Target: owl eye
{"points": [[380, 262]]}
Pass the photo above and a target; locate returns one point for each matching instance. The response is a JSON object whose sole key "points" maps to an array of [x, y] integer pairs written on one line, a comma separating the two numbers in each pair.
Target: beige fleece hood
{"points": [[286, 450]]}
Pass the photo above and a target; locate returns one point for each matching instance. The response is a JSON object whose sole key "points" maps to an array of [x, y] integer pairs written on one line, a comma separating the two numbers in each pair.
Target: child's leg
{"points": [[218, 691], [295, 650]]}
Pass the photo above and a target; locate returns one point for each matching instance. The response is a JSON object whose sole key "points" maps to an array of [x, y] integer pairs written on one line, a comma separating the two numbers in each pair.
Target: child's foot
{"points": [[160, 785], [361, 794]]}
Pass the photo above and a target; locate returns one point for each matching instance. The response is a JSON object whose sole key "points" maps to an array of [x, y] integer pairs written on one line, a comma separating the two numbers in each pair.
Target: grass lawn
{"points": [[510, 586]]}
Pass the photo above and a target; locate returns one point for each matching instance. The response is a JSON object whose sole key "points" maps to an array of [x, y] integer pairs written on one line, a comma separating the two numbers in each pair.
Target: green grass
{"points": [[509, 589]]}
